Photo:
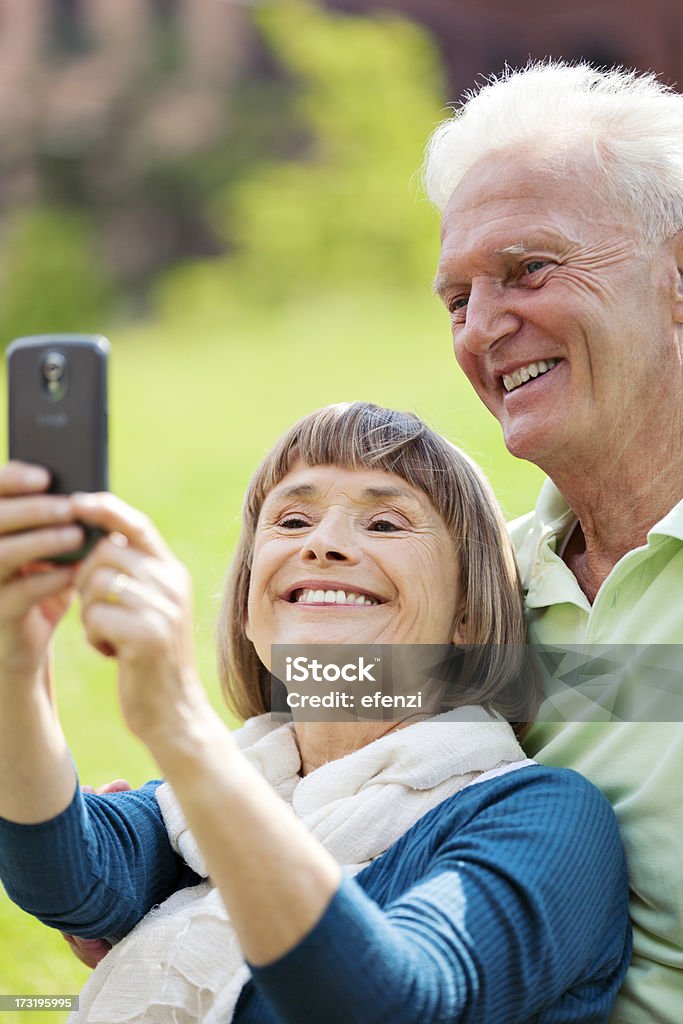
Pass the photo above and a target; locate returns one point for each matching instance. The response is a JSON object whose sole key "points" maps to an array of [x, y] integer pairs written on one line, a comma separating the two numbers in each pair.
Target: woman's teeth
{"points": [[332, 597], [525, 373]]}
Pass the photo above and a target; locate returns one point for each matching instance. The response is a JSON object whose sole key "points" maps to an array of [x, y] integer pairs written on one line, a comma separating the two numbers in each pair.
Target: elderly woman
{"points": [[306, 872]]}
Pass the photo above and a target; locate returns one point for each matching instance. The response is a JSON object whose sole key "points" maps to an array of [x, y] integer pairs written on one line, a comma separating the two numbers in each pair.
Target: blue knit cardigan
{"points": [[505, 904]]}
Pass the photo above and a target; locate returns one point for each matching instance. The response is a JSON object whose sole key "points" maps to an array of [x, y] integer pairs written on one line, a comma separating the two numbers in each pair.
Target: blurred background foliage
{"points": [[52, 273], [340, 214], [229, 192]]}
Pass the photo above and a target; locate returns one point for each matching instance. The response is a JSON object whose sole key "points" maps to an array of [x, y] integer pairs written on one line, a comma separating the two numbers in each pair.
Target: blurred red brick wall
{"points": [[478, 38]]}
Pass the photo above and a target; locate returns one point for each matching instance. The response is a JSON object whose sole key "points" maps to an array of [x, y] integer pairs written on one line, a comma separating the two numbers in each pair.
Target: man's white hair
{"points": [[633, 123]]}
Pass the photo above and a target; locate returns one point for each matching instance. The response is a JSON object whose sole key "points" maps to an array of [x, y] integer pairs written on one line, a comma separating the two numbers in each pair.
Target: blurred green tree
{"points": [[345, 211], [50, 276]]}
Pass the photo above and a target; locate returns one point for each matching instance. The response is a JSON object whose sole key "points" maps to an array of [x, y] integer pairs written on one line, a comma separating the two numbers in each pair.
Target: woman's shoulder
{"points": [[524, 805], [536, 789], [529, 776], [533, 830]]}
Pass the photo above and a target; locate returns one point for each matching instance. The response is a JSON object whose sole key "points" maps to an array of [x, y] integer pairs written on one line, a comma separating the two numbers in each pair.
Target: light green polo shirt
{"points": [[638, 765]]}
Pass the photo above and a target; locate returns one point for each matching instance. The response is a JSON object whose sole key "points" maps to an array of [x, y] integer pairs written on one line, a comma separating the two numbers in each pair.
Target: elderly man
{"points": [[562, 270]]}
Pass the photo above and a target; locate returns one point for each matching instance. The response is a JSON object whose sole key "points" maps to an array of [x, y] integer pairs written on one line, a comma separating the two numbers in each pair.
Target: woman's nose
{"points": [[329, 542]]}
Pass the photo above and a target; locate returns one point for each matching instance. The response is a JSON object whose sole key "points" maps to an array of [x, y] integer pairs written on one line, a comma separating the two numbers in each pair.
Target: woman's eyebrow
{"points": [[380, 493], [295, 491], [367, 495]]}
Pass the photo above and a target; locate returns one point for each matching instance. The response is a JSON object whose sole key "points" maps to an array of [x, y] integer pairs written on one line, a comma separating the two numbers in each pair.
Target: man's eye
{"points": [[383, 526], [458, 304], [533, 265], [293, 523]]}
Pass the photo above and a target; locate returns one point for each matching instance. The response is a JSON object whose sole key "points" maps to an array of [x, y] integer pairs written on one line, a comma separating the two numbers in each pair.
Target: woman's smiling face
{"points": [[351, 556]]}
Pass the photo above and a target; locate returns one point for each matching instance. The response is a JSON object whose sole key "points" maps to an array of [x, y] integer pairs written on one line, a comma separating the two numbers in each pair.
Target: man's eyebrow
{"points": [[442, 282], [518, 249], [540, 239]]}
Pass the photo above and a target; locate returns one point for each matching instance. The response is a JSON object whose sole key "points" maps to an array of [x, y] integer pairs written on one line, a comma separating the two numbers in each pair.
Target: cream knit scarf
{"points": [[182, 963]]}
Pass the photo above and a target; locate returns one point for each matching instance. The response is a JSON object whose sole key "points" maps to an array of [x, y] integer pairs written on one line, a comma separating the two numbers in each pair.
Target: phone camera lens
{"points": [[53, 366]]}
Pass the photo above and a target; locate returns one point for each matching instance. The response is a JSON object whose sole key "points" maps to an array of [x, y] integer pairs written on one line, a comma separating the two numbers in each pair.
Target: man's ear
{"points": [[678, 299]]}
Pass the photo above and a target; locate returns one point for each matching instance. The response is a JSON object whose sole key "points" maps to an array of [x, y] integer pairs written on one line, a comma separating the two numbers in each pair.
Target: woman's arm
{"points": [[110, 861], [260, 857], [85, 871], [520, 902], [275, 879], [37, 779]]}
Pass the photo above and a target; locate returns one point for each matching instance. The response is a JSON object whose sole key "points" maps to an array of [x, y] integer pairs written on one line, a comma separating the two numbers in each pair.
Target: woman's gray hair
{"points": [[364, 436], [632, 122]]}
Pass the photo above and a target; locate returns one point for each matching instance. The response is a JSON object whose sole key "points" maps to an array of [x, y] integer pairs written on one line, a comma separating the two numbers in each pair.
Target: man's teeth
{"points": [[333, 597], [525, 373]]}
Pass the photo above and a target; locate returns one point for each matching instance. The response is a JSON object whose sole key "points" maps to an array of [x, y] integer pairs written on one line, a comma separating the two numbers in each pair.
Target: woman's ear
{"points": [[460, 628], [245, 625]]}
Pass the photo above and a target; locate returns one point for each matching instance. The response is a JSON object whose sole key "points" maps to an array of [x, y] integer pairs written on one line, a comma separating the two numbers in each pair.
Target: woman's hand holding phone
{"points": [[34, 593], [37, 779]]}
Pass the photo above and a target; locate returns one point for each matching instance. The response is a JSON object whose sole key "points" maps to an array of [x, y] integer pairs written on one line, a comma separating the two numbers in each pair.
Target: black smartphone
{"points": [[58, 413]]}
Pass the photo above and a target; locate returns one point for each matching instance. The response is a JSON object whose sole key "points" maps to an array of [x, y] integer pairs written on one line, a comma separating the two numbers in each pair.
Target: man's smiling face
{"points": [[560, 321]]}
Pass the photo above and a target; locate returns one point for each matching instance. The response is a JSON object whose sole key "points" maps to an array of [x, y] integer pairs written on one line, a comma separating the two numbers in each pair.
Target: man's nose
{"points": [[332, 540], [489, 317]]}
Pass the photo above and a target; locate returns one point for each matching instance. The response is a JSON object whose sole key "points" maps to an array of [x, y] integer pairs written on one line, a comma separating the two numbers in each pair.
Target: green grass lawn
{"points": [[192, 412]]}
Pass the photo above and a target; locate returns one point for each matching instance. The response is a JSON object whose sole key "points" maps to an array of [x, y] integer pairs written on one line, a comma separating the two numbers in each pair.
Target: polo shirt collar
{"points": [[554, 518], [671, 525], [550, 579]]}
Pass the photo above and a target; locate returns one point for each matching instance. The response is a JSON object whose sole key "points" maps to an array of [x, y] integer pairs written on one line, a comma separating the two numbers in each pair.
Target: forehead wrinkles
{"points": [[492, 249], [561, 188], [312, 488], [488, 237]]}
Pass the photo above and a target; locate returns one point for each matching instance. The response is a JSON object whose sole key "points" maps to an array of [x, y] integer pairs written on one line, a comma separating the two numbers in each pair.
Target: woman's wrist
{"points": [[24, 679], [188, 735]]}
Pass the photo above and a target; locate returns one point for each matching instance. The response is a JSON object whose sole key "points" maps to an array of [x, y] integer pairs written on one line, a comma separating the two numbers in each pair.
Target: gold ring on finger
{"points": [[116, 589]]}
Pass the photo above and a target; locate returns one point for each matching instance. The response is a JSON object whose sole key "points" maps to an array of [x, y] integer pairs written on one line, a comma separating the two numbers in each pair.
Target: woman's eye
{"points": [[383, 526], [293, 523]]}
